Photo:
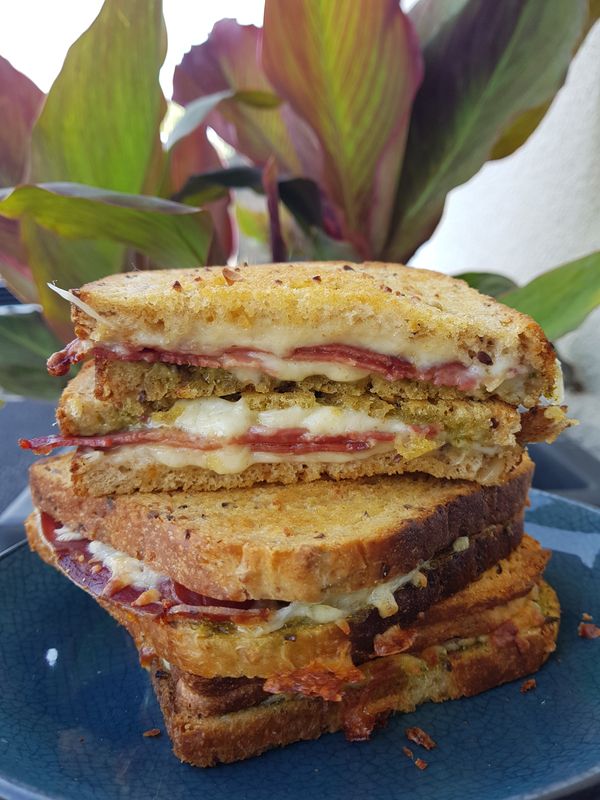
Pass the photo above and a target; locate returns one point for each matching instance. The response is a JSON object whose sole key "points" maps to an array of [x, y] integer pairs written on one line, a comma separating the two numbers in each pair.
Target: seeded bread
{"points": [[126, 470], [394, 683], [210, 697], [490, 423], [284, 542], [327, 302], [224, 649]]}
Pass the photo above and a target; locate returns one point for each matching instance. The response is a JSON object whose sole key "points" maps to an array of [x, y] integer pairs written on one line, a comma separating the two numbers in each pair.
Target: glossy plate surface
{"points": [[74, 704]]}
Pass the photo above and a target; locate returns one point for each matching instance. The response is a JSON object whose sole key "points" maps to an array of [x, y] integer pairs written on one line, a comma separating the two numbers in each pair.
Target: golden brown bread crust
{"points": [[171, 306], [260, 543], [218, 650], [394, 683], [105, 473]]}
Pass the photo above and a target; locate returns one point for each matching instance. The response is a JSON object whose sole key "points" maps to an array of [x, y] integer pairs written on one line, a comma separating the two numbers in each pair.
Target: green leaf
{"points": [[99, 127], [350, 70], [559, 300], [195, 114], [209, 185], [256, 98], [171, 234], [524, 125], [488, 282], [253, 224], [490, 63], [102, 112], [197, 111], [25, 344], [301, 196]]}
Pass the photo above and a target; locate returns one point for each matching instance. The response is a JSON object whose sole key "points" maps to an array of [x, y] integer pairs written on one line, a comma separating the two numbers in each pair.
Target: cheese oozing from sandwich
{"points": [[128, 571], [230, 436]]}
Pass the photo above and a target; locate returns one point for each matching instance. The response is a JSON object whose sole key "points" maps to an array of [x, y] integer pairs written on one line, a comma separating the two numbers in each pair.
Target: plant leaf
{"points": [[488, 282], [195, 154], [559, 300], [269, 179], [351, 71], [198, 110], [524, 125], [25, 344], [301, 196], [429, 18], [99, 126], [228, 60], [195, 114], [20, 102], [208, 185], [172, 234], [489, 63]]}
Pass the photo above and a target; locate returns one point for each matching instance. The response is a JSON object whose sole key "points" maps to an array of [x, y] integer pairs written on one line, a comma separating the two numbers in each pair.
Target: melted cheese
{"points": [[66, 535], [131, 571], [215, 417], [461, 544], [230, 460], [341, 606]]}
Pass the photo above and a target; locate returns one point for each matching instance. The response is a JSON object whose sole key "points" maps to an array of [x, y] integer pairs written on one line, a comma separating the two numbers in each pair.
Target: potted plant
{"points": [[353, 119]]}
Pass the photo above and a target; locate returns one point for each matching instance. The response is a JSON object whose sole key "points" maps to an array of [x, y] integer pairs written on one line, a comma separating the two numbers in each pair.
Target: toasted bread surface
{"points": [[284, 542], [306, 304], [395, 683], [220, 649]]}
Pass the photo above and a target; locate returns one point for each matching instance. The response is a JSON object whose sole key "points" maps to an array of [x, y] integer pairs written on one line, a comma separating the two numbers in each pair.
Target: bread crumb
{"points": [[587, 630], [231, 276], [408, 753], [528, 685], [421, 764], [419, 736], [152, 732], [586, 617]]}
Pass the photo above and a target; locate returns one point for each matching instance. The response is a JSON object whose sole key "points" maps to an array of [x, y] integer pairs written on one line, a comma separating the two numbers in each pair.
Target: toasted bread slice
{"points": [[423, 317], [134, 468], [133, 390], [285, 543], [208, 648], [491, 423], [395, 683], [211, 697], [471, 441]]}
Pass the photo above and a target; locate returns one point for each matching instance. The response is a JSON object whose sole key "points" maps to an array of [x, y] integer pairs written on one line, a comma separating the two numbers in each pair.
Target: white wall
{"points": [[536, 209]]}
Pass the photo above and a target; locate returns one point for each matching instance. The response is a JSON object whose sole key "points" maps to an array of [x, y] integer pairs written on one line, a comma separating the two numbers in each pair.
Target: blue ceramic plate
{"points": [[74, 704]]}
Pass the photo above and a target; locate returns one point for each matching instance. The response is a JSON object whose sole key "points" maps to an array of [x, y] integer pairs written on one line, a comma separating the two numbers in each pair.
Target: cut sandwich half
{"points": [[293, 434], [246, 584]]}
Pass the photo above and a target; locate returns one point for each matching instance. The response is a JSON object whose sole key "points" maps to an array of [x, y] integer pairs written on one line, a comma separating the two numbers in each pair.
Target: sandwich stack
{"points": [[301, 488]]}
